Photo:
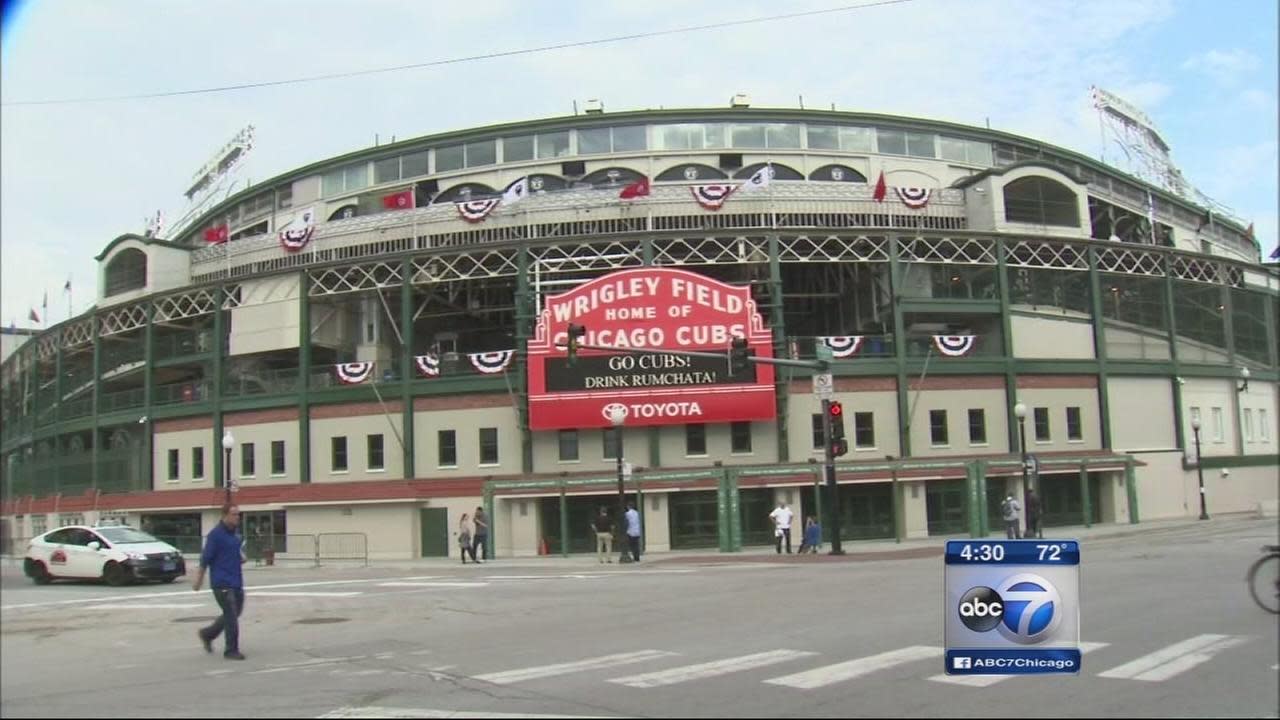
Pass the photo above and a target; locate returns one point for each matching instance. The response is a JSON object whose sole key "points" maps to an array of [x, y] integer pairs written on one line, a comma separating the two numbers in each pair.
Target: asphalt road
{"points": [[1168, 626]]}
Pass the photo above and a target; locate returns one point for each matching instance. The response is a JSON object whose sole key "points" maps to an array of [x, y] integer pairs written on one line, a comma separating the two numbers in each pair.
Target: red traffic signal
{"points": [[836, 410]]}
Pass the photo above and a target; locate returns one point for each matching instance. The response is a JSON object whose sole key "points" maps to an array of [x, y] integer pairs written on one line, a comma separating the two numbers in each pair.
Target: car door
{"points": [[82, 560], [53, 551]]}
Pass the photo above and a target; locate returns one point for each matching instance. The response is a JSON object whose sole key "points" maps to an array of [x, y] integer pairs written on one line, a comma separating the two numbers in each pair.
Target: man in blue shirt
{"points": [[633, 531], [222, 555]]}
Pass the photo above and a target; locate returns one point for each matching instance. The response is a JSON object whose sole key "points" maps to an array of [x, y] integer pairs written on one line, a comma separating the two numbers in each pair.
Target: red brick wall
{"points": [[462, 402], [200, 422], [256, 417], [958, 382], [1058, 381], [319, 412]]}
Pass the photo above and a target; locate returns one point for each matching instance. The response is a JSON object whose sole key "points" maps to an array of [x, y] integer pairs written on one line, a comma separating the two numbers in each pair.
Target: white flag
{"points": [[759, 180], [517, 192], [303, 220]]}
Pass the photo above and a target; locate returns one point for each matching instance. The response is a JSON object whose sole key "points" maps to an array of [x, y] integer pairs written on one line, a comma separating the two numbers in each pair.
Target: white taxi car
{"points": [[117, 554]]}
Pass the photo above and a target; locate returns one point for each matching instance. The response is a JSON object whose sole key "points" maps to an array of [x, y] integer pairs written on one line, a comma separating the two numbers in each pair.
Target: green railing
{"points": [[116, 354], [265, 382], [183, 345], [121, 400], [119, 471], [78, 408], [185, 392]]}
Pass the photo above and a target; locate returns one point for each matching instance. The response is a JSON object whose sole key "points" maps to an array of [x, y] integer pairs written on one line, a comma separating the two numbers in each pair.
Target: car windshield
{"points": [[125, 535]]}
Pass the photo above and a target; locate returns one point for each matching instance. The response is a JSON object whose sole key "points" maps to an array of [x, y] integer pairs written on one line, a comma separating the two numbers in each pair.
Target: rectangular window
{"points": [[356, 177], [375, 456], [338, 454], [953, 149], [284, 197], [594, 141], [864, 430], [920, 145], [39, 525], [891, 142], [175, 468], [386, 170], [609, 443], [197, 463], [695, 439], [246, 460], [1074, 430], [488, 446], [553, 145], [1248, 425], [568, 445], [1264, 433], [514, 149], [1219, 433], [1195, 414], [938, 427], [450, 157], [740, 432], [277, 457], [824, 137], [629, 138], [747, 136], [448, 444], [858, 139], [414, 164], [978, 427], [817, 431], [482, 153], [783, 135], [1042, 425], [979, 153]]}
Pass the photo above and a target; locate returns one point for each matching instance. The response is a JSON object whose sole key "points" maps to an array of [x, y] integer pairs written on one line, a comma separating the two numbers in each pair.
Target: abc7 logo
{"points": [[1024, 608]]}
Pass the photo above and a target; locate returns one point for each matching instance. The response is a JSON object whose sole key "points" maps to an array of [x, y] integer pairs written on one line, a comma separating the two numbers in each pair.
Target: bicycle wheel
{"points": [[1264, 582]]}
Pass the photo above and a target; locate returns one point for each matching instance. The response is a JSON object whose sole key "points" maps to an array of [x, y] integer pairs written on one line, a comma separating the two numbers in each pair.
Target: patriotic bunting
{"points": [[711, 197], [296, 235], [914, 198], [474, 211], [353, 373], [428, 365], [954, 345], [843, 346], [490, 363]]}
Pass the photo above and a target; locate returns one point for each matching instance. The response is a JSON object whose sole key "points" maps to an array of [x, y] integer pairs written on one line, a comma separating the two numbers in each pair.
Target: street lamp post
{"points": [[1020, 411], [228, 442], [1195, 430], [618, 415]]}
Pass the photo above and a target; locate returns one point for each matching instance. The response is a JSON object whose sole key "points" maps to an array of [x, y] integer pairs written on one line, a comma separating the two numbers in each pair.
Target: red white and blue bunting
{"points": [[353, 373], [843, 346], [295, 235], [914, 198], [490, 363], [474, 211], [954, 345], [711, 197], [428, 365]]}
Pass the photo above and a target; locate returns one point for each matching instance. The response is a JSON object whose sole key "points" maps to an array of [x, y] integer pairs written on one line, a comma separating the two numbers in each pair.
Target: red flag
{"points": [[34, 317], [216, 234], [639, 188], [878, 195], [402, 200]]}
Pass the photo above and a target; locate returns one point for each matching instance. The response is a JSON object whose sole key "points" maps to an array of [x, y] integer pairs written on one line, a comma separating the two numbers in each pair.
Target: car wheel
{"points": [[115, 574], [40, 574]]}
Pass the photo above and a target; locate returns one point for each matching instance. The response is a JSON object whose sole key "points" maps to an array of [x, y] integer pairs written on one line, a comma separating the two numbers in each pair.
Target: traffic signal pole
{"points": [[833, 490]]}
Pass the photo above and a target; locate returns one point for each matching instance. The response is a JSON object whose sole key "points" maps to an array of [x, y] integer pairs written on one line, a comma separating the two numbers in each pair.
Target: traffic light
{"points": [[738, 362], [839, 446], [575, 332]]}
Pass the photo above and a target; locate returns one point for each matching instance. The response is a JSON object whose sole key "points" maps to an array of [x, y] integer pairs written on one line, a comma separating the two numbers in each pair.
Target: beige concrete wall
{"points": [[356, 429], [1165, 490], [673, 446], [1260, 397], [392, 529], [957, 403], [1046, 337], [1241, 489], [883, 407], [1216, 438], [267, 318], [1082, 204], [167, 268], [546, 451], [1057, 400], [915, 509], [518, 535], [466, 423], [1141, 411], [455, 507], [262, 435], [656, 522], [182, 441]]}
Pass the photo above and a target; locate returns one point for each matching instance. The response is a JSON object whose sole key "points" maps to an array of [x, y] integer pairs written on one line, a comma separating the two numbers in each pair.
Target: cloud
{"points": [[1225, 66]]}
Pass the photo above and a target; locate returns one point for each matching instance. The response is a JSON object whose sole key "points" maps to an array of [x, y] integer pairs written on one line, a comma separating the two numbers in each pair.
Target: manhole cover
{"points": [[193, 620], [320, 621]]}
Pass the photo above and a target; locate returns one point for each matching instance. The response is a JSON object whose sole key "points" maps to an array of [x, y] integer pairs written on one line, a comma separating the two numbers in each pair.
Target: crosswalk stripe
{"points": [[989, 680], [851, 669], [434, 584], [1179, 657], [145, 606], [397, 713], [598, 663], [273, 593], [705, 670]]}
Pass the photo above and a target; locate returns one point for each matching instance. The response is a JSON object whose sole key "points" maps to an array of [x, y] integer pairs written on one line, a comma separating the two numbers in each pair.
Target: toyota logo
{"points": [[608, 411]]}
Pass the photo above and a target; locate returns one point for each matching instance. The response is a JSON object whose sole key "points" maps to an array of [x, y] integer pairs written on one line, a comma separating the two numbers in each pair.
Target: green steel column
{"points": [[1131, 487], [407, 371], [777, 323], [1100, 348], [724, 534], [1010, 363], [646, 251], [971, 490], [220, 351], [97, 398], [1227, 312], [149, 397], [984, 520], [654, 434], [304, 375], [899, 348], [817, 500], [735, 512], [524, 327], [1086, 501], [1170, 320], [564, 522], [1269, 317], [489, 503], [899, 507], [57, 380]]}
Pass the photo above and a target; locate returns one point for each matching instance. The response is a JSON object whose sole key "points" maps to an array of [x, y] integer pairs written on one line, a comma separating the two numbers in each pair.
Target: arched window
{"points": [[1041, 201], [690, 172], [344, 212], [780, 172], [126, 271], [837, 173], [606, 177], [464, 192]]}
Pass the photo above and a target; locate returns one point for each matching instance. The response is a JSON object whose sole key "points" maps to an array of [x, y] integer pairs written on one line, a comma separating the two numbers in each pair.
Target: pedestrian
{"points": [[1033, 515], [481, 537], [466, 529], [603, 525], [1009, 510], [781, 517], [223, 556], [633, 532], [812, 536]]}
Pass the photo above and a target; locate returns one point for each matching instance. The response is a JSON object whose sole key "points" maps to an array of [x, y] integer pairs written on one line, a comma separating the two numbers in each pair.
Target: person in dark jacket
{"points": [[1033, 515], [481, 538], [223, 555], [603, 526]]}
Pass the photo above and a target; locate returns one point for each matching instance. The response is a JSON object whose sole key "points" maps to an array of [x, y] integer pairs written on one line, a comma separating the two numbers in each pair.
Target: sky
{"points": [[75, 176]]}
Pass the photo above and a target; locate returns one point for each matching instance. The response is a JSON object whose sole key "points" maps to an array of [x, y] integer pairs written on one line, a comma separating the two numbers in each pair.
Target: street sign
{"points": [[822, 351], [626, 470], [1033, 465], [823, 386]]}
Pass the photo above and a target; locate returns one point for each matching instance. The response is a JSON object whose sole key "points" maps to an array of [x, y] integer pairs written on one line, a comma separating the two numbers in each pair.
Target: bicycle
{"points": [[1264, 579]]}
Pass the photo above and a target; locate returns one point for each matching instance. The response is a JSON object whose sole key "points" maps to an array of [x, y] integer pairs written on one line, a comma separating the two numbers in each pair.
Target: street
{"points": [[1169, 629]]}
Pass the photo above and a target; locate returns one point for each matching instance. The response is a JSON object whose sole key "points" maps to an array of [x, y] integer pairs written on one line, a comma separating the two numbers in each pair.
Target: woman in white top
{"points": [[466, 529]]}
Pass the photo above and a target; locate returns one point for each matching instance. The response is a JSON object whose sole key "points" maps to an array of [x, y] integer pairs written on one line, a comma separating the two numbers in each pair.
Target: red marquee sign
{"points": [[654, 309]]}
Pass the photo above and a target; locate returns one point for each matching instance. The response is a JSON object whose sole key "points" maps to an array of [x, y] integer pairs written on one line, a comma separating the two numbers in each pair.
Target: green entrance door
{"points": [[694, 520], [435, 532], [582, 511], [945, 504]]}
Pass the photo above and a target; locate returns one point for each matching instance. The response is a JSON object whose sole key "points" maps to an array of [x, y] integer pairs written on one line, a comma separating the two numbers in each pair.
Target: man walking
{"points": [[482, 536], [633, 532], [223, 557], [781, 517], [1033, 515], [603, 525], [1009, 510]]}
